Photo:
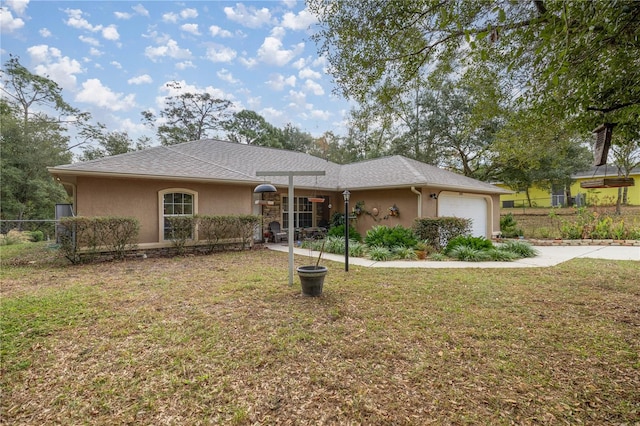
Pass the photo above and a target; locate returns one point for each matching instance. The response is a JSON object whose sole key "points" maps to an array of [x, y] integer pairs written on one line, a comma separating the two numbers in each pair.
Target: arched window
{"points": [[175, 202]]}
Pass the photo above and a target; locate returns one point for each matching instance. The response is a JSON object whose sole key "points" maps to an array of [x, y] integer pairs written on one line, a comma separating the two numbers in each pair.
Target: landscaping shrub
{"points": [[438, 231], [116, 234], [380, 253], [357, 249], [384, 236], [509, 227], [338, 231], [401, 252], [521, 248], [35, 236], [468, 253], [78, 237], [476, 243], [182, 228], [502, 255]]}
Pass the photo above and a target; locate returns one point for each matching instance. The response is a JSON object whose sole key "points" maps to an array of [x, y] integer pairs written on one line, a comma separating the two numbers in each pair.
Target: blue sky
{"points": [[114, 58]]}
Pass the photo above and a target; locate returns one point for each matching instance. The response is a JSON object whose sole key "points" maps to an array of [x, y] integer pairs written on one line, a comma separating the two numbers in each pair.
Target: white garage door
{"points": [[468, 207]]}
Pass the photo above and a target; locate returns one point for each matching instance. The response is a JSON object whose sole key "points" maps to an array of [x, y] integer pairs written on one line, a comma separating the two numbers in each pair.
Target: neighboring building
{"points": [[580, 196], [212, 177]]}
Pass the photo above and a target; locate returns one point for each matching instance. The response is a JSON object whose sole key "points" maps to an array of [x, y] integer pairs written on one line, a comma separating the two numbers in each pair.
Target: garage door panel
{"points": [[474, 208]]}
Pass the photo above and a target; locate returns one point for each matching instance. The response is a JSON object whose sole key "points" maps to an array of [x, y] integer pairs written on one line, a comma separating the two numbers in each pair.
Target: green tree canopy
{"points": [[188, 117], [579, 57]]}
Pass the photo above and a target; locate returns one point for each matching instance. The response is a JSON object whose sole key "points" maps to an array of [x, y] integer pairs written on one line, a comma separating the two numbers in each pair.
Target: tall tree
{"points": [[33, 123], [188, 117], [249, 127], [533, 150], [577, 56], [105, 143]]}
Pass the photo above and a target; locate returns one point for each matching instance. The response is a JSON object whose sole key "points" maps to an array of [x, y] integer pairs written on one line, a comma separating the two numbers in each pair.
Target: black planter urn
{"points": [[312, 279]]}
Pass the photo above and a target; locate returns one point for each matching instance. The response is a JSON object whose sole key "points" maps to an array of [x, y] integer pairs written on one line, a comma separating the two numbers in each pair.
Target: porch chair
{"points": [[277, 234]]}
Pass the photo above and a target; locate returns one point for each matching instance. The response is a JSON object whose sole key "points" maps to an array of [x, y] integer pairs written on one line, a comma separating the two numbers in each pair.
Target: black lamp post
{"points": [[346, 194]]}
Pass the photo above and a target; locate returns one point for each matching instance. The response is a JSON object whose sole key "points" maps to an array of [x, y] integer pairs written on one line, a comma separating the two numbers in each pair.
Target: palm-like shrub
{"points": [[521, 248], [380, 253]]}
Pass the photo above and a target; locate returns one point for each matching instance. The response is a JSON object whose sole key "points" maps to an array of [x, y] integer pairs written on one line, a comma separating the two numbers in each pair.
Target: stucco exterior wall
{"points": [[139, 198]]}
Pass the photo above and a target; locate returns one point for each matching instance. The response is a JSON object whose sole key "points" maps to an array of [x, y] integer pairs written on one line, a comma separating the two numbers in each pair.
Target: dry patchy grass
{"points": [[223, 339]]}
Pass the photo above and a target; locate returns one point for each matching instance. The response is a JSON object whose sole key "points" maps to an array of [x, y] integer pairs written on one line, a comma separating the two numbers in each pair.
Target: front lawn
{"points": [[223, 339]]}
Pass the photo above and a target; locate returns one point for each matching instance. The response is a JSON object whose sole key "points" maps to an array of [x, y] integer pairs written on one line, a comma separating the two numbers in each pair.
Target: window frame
{"points": [[161, 209], [299, 202]]}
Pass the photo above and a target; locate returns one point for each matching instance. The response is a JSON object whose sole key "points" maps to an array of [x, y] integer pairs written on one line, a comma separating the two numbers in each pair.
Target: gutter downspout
{"points": [[419, 194]]}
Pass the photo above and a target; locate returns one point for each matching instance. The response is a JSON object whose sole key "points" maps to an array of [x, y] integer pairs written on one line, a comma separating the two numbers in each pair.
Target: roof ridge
{"points": [[410, 166], [208, 162]]}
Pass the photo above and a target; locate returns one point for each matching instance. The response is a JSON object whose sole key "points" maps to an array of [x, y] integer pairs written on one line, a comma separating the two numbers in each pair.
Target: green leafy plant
{"points": [[438, 231], [468, 254], [401, 252], [502, 255], [384, 236], [380, 253], [476, 243], [520, 248], [509, 226], [338, 231]]}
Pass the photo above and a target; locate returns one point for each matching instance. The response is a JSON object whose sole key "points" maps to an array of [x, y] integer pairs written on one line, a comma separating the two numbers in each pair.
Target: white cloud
{"points": [[289, 3], [184, 65], [189, 13], [297, 99], [299, 64], [170, 49], [190, 28], [50, 62], [140, 10], [18, 6], [93, 92], [89, 40], [170, 17], [216, 31], [173, 17], [254, 102], [141, 79], [271, 52], [116, 64], [95, 52], [301, 21], [111, 32], [225, 75], [248, 62], [271, 114], [319, 114], [76, 20], [309, 73], [123, 15], [44, 32], [217, 53], [170, 89], [8, 23], [278, 81], [248, 17], [313, 87]]}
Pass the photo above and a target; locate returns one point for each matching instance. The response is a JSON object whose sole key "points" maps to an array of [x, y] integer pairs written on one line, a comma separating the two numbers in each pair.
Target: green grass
{"points": [[223, 339]]}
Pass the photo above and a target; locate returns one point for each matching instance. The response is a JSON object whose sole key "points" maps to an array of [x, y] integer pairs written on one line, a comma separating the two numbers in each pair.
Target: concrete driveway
{"points": [[548, 256]]}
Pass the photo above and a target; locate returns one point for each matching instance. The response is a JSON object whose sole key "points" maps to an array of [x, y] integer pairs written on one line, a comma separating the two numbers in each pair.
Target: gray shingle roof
{"points": [[221, 161]]}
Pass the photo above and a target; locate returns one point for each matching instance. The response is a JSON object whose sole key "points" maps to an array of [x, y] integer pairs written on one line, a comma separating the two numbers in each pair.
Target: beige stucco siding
{"points": [[139, 198]]}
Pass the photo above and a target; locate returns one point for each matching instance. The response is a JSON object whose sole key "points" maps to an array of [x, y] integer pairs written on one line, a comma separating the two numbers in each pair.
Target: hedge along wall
{"points": [[213, 230], [438, 231], [88, 236]]}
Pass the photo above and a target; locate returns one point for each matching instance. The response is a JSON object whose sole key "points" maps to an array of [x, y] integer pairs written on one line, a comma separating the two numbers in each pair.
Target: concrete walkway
{"points": [[548, 256]]}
